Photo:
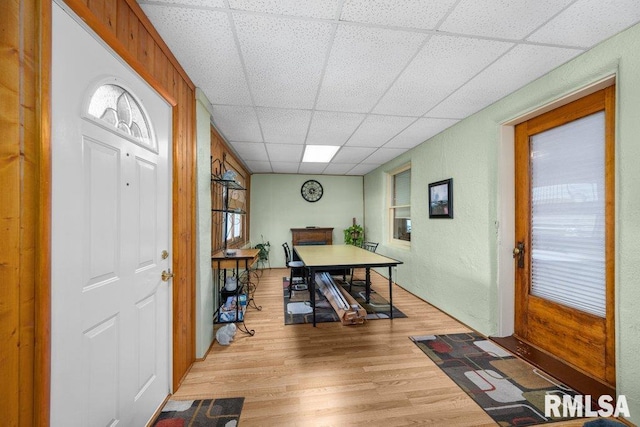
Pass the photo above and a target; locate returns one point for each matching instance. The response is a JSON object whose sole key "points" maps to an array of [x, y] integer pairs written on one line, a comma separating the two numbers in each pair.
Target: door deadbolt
{"points": [[166, 275], [164, 254]]}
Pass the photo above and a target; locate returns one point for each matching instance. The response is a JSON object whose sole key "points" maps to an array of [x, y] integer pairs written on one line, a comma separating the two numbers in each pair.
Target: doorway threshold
{"points": [[562, 371]]}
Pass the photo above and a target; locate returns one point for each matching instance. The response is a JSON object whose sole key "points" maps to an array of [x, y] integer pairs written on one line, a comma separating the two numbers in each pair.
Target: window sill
{"points": [[400, 244]]}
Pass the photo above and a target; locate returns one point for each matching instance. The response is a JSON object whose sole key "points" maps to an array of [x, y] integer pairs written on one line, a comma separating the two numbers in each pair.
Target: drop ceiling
{"points": [[375, 77]]}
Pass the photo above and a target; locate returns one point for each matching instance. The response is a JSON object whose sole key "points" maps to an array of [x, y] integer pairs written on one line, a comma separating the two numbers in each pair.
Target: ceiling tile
{"points": [[383, 155], [419, 132], [284, 152], [518, 67], [376, 130], [352, 154], [323, 9], [588, 22], [363, 63], [332, 128], [501, 18], [251, 151], [284, 126], [285, 167], [207, 3], [283, 57], [312, 168], [339, 168], [375, 77], [259, 167], [362, 169], [207, 51], [406, 13], [443, 65], [237, 123]]}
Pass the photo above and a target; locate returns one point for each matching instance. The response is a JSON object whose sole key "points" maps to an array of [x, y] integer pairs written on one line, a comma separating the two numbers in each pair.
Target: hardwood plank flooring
{"points": [[335, 375]]}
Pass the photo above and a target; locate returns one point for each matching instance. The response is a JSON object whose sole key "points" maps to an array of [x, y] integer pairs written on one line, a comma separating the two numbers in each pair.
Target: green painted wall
{"points": [[454, 263], [277, 206], [204, 281]]}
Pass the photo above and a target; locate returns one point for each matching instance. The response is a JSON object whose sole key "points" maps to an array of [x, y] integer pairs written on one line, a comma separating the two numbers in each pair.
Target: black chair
{"points": [[371, 247], [297, 270]]}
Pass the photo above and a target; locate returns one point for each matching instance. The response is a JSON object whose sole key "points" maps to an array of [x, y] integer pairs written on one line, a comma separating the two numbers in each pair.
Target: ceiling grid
{"points": [[374, 77]]}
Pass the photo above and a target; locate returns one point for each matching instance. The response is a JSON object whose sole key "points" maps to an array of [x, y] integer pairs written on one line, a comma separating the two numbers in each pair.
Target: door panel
{"points": [[111, 222], [564, 236]]}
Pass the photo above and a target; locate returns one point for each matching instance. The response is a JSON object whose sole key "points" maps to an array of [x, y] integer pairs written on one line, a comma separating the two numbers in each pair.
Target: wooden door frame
{"points": [[506, 197], [506, 228], [602, 100]]}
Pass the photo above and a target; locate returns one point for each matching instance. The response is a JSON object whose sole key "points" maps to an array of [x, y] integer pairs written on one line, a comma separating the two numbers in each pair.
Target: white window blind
{"points": [[401, 205], [568, 215]]}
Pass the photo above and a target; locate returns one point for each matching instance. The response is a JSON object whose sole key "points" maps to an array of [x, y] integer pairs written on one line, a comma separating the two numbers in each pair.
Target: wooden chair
{"points": [[295, 266]]}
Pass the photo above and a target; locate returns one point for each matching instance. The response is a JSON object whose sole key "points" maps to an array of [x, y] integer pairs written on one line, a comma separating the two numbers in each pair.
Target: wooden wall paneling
{"points": [[110, 14], [122, 19], [192, 187], [143, 54], [118, 41], [132, 34], [10, 208], [144, 21], [24, 258], [29, 206], [158, 60]]}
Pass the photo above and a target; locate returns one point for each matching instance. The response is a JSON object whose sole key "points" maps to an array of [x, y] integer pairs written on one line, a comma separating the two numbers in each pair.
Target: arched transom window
{"points": [[115, 107]]}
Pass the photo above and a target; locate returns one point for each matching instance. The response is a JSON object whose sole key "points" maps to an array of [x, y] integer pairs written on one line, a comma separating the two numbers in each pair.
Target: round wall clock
{"points": [[311, 190]]}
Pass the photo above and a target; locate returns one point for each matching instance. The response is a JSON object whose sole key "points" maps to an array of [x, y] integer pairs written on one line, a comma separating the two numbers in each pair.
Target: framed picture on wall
{"points": [[441, 199]]}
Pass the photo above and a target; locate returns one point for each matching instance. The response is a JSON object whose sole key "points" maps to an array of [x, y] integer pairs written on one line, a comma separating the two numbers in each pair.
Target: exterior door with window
{"points": [[564, 250], [111, 229]]}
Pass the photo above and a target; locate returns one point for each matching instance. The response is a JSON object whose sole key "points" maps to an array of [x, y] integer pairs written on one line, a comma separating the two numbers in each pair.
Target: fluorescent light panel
{"points": [[319, 153]]}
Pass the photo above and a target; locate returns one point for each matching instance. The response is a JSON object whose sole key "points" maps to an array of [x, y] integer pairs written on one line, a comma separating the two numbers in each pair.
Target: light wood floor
{"points": [[335, 375]]}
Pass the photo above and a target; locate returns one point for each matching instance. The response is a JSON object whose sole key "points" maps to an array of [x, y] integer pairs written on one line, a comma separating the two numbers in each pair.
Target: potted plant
{"points": [[263, 255], [354, 235]]}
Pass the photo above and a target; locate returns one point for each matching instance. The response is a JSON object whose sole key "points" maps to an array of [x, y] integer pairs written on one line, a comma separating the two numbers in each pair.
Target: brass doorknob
{"points": [[166, 275]]}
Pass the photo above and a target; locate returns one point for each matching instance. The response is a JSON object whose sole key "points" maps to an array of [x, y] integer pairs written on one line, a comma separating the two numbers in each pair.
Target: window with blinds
{"points": [[568, 214], [400, 205]]}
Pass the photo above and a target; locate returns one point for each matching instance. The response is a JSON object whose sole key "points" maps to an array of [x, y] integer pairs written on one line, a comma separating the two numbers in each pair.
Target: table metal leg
{"points": [[390, 294], [367, 282], [312, 281]]}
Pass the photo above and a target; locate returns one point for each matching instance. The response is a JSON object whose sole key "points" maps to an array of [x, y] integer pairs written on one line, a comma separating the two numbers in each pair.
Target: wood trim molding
{"points": [[42, 368]]}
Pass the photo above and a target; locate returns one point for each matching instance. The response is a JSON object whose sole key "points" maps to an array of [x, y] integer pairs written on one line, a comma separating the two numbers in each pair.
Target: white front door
{"points": [[111, 228]]}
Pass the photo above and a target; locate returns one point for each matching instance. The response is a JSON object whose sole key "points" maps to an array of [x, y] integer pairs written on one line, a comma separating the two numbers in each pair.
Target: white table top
{"points": [[341, 256]]}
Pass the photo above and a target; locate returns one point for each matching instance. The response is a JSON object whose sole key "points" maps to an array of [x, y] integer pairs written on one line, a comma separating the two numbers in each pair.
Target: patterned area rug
{"points": [[510, 390], [297, 309], [201, 413]]}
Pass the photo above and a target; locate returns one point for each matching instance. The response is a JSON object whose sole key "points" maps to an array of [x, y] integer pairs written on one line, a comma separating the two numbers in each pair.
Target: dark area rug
{"points": [[201, 413], [510, 390], [297, 308]]}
